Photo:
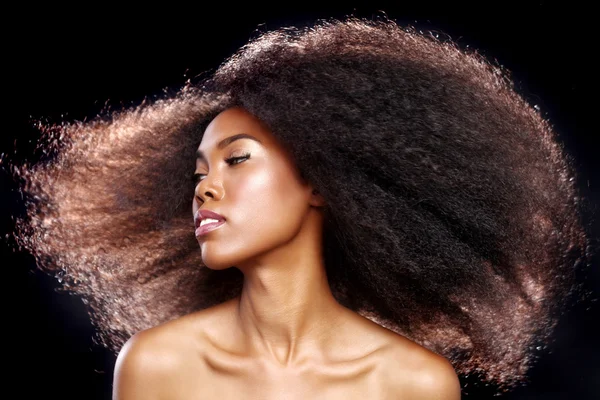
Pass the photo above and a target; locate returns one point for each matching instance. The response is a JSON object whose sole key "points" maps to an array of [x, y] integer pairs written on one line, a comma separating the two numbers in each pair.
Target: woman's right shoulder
{"points": [[143, 365], [150, 361]]}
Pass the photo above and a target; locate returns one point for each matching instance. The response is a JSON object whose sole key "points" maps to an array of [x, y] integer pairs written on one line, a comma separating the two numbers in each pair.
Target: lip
{"points": [[203, 214], [204, 229]]}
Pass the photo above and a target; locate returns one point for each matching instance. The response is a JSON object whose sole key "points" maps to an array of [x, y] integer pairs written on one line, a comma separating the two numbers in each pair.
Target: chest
{"points": [[359, 382]]}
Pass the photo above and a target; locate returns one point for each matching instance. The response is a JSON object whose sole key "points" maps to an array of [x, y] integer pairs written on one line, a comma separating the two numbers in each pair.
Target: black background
{"points": [[68, 63]]}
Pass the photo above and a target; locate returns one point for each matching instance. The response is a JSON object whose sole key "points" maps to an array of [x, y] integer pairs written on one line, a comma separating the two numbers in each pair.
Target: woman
{"points": [[394, 212], [286, 336]]}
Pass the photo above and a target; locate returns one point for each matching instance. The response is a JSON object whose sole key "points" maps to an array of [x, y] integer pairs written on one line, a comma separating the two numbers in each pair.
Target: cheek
{"points": [[267, 193], [264, 206], [269, 203]]}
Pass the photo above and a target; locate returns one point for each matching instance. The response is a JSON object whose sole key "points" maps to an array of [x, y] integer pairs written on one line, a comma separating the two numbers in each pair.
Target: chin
{"points": [[215, 263], [215, 259]]}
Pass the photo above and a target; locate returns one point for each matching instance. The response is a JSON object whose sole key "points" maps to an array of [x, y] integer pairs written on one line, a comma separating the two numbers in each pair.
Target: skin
{"points": [[285, 336]]}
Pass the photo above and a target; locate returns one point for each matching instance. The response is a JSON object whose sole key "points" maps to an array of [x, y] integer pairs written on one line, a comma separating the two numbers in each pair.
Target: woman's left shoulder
{"points": [[416, 372]]}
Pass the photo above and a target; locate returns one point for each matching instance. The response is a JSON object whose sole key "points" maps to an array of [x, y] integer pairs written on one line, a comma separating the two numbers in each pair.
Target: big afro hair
{"points": [[452, 217]]}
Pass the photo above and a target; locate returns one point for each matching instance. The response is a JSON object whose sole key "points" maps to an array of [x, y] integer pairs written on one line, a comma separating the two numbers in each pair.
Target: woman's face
{"points": [[253, 183]]}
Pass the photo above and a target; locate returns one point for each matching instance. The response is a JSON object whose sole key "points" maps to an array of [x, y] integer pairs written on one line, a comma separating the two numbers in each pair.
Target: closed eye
{"points": [[196, 178], [235, 160]]}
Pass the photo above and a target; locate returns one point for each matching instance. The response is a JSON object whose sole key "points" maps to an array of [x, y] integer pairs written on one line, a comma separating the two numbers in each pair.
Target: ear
{"points": [[316, 200]]}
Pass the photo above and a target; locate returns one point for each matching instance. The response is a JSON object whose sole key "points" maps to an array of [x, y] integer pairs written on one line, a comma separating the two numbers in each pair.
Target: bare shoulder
{"points": [[414, 372], [138, 374], [152, 362], [407, 369]]}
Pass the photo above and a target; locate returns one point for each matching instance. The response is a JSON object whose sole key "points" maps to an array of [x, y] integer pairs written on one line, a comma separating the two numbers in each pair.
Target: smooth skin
{"points": [[285, 336]]}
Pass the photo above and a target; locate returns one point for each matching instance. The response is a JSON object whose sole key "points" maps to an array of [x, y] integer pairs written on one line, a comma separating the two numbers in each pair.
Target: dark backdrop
{"points": [[67, 63]]}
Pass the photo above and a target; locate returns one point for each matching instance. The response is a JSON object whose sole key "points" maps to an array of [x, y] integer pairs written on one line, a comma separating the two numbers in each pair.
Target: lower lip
{"points": [[204, 229]]}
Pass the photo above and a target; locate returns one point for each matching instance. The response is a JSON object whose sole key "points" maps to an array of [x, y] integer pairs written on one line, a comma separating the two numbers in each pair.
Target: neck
{"points": [[286, 309]]}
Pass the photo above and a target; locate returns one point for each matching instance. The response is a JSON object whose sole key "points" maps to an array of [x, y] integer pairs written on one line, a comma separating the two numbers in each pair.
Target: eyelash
{"points": [[231, 161]]}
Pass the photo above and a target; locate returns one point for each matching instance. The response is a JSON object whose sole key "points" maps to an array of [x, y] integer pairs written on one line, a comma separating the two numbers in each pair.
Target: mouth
{"points": [[207, 221], [208, 226]]}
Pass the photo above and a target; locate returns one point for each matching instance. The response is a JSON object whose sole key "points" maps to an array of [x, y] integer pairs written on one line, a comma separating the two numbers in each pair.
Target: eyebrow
{"points": [[226, 142]]}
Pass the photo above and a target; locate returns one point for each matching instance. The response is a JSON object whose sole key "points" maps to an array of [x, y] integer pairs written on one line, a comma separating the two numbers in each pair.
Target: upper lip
{"points": [[203, 214]]}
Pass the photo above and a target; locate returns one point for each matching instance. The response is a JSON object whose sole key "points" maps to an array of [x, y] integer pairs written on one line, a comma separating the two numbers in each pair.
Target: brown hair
{"points": [[452, 216]]}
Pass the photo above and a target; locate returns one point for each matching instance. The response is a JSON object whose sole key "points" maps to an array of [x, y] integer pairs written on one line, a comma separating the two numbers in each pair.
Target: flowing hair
{"points": [[452, 217]]}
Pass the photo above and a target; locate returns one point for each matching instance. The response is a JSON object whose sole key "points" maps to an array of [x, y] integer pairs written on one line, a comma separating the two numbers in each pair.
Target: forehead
{"points": [[234, 121]]}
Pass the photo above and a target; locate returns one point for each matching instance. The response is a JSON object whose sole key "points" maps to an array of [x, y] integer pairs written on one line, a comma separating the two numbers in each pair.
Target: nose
{"points": [[209, 189]]}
